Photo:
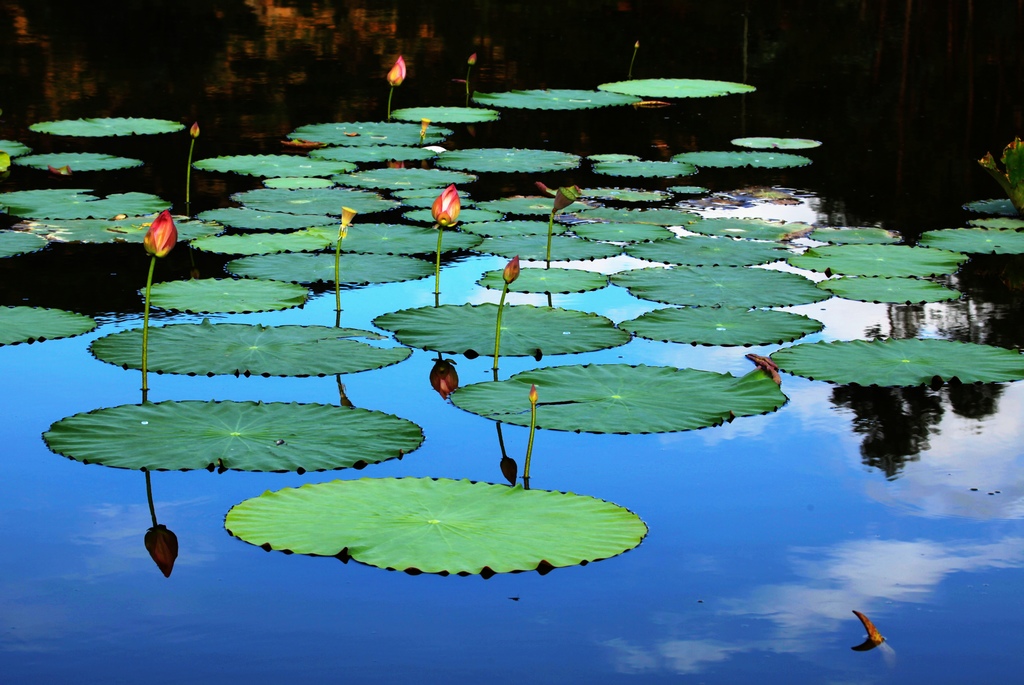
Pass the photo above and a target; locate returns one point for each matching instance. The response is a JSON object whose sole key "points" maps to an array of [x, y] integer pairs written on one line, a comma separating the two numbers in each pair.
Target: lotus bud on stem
{"points": [[636, 48], [445, 211], [443, 377], [533, 429], [193, 133], [509, 275], [471, 62], [159, 240], [347, 214], [564, 197], [395, 77], [161, 543], [424, 123]]}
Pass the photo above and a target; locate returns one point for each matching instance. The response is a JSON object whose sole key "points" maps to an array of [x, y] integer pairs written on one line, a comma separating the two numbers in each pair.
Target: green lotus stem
{"points": [[551, 226], [468, 70], [533, 429], [437, 264], [337, 278], [636, 48], [497, 327], [390, 93], [149, 496], [145, 326], [188, 173]]}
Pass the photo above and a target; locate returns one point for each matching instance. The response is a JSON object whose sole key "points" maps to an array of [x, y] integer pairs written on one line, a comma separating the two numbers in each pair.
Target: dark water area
{"points": [[765, 533]]}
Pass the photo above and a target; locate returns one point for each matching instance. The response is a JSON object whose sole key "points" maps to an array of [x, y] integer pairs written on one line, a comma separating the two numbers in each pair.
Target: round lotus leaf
{"points": [[314, 201], [361, 133], [725, 286], [688, 190], [61, 203], [626, 194], [997, 222], [249, 219], [619, 398], [399, 179], [520, 205], [101, 127], [902, 362], [227, 348], [424, 197], [436, 525], [297, 183], [563, 248], [995, 206], [130, 230], [78, 161], [241, 436], [727, 159], [762, 143], [445, 115], [14, 243], [676, 88], [354, 269], [879, 260], [552, 280], [621, 233], [891, 290], [613, 157], [306, 240], [13, 148], [553, 99], [854, 236], [695, 250], [466, 216], [722, 326], [754, 229], [374, 153], [645, 169], [34, 324], [976, 240], [273, 165], [507, 160], [525, 330], [210, 295], [655, 217], [397, 239], [491, 229]]}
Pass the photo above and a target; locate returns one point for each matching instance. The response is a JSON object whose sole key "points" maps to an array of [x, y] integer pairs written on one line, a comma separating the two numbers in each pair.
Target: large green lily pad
{"points": [[398, 239], [726, 159], [645, 169], [892, 290], [858, 235], [66, 203], [619, 398], [620, 232], [306, 240], [879, 260], [374, 153], [519, 205], [726, 286], [699, 250], [627, 194], [446, 115], [78, 161], [327, 201], [35, 324], [401, 179], [507, 160], [976, 240], [722, 326], [106, 126], [130, 230], [513, 227], [13, 148], [466, 216], [13, 243], [563, 248], [753, 229], [901, 362], [428, 525], [209, 295], [273, 165], [370, 133], [249, 219], [655, 217], [676, 88], [552, 280], [544, 99], [242, 436], [297, 182], [770, 143], [354, 269]]}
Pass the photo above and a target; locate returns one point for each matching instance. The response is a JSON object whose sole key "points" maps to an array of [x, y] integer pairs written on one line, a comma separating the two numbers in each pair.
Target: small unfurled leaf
{"points": [[301, 144], [59, 171], [874, 637], [1013, 160], [766, 365]]}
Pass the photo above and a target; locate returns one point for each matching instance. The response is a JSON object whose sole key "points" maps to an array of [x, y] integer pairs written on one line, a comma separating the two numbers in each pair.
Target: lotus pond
{"points": [[759, 355]]}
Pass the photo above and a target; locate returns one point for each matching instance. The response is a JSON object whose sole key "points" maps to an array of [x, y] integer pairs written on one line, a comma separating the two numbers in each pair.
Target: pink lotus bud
{"points": [[194, 131], [472, 59], [397, 73], [446, 207], [511, 271], [162, 235]]}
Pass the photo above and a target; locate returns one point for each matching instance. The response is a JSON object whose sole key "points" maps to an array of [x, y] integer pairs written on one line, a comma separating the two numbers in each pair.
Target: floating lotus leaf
{"points": [[297, 183], [976, 240], [314, 201], [727, 159], [101, 127], [613, 157], [995, 206], [430, 525], [619, 398], [13, 148], [563, 248], [241, 436], [755, 229], [688, 190], [514, 227], [626, 194], [355, 269], [362, 133], [250, 219], [519, 205], [240, 349], [209, 295], [776, 143], [14, 243], [552, 280], [655, 217], [397, 239], [78, 161], [726, 286], [466, 216], [446, 115], [695, 250], [374, 153], [34, 324], [273, 165], [893, 290], [525, 330], [722, 326], [306, 240], [855, 236], [130, 230], [997, 222], [61, 203], [424, 197], [507, 160], [553, 99], [398, 179], [902, 362], [621, 233], [645, 169], [676, 88], [879, 260]]}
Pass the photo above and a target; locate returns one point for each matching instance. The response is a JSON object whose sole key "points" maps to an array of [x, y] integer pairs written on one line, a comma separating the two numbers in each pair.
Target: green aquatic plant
{"points": [[193, 133], [445, 211], [533, 430], [347, 214], [395, 77], [564, 197], [1011, 180], [159, 241], [509, 275]]}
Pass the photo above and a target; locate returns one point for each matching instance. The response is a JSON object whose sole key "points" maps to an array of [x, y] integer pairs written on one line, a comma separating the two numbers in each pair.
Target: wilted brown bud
{"points": [[162, 545]]}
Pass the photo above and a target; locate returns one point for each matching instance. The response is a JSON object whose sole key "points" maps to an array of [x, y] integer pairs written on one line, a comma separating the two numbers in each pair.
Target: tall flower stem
{"points": [[145, 327], [551, 226], [188, 173], [636, 48], [390, 94], [337, 278], [497, 327], [533, 429], [437, 263]]}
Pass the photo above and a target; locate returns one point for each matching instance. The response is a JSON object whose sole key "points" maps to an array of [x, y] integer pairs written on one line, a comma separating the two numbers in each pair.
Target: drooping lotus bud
{"points": [[565, 196], [472, 60], [444, 378], [397, 73], [511, 271], [194, 131], [162, 545], [544, 189], [445, 209], [161, 236]]}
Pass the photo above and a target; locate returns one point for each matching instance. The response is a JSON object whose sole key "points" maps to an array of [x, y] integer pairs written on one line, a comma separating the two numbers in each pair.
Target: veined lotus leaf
{"points": [[855, 236], [34, 324], [1001, 206], [13, 243], [491, 229], [210, 295], [722, 326], [695, 250], [676, 88], [14, 149], [726, 286], [354, 269], [306, 240], [892, 290], [879, 260], [241, 436], [507, 160], [997, 222], [626, 194], [314, 201], [726, 159], [901, 362], [688, 190], [645, 169], [437, 525], [66, 203], [397, 239], [249, 219], [130, 230], [520, 205], [976, 240], [619, 398], [273, 165], [553, 280], [399, 179], [101, 127], [763, 143], [78, 161], [466, 216], [621, 233], [297, 183], [446, 115], [563, 248], [362, 133], [240, 349], [374, 153], [754, 229], [656, 216], [544, 99], [525, 330]]}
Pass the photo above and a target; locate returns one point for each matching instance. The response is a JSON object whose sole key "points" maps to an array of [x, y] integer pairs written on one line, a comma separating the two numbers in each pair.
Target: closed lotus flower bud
{"points": [[565, 196], [472, 59], [533, 394], [511, 271], [194, 131], [446, 207], [162, 235], [444, 378], [397, 73], [162, 545]]}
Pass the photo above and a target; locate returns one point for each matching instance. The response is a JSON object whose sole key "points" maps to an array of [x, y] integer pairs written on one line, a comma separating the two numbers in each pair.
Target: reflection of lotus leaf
{"points": [[727, 286], [894, 290], [722, 326], [208, 295], [32, 324], [879, 260]]}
